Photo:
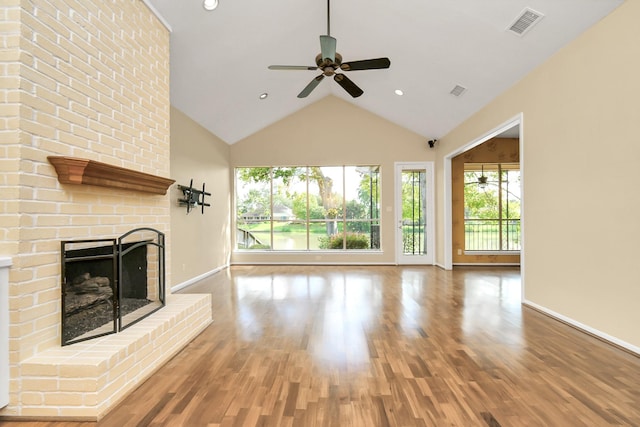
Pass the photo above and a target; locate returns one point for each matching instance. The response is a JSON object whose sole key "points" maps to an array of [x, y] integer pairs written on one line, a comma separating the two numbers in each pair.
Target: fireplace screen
{"points": [[110, 284]]}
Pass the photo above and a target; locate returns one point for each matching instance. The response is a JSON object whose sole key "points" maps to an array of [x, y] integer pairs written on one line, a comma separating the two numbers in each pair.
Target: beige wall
{"points": [[334, 132], [200, 242], [496, 150], [83, 79], [581, 150]]}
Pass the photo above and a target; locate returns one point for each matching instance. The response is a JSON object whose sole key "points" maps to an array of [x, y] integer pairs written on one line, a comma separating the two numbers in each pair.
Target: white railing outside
{"points": [[492, 234]]}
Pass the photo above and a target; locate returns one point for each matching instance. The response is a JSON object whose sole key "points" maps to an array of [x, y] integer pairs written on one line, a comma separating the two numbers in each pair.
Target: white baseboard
{"points": [[486, 264], [309, 263], [193, 280], [584, 328]]}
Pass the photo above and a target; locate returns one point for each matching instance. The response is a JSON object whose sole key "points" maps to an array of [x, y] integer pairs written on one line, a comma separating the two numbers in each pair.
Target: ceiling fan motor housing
{"points": [[328, 66]]}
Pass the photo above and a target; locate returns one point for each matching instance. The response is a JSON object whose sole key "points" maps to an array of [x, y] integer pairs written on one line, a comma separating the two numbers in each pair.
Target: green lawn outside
{"points": [[289, 236], [293, 236]]}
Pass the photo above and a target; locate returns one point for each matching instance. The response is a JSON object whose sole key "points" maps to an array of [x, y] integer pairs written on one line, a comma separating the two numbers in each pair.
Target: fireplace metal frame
{"points": [[119, 249], [161, 269]]}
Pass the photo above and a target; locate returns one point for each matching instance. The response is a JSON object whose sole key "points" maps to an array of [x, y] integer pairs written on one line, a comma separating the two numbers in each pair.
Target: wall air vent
{"points": [[525, 21], [458, 90]]}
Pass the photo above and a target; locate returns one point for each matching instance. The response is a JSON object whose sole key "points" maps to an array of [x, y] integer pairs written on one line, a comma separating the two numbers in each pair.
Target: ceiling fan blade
{"points": [[366, 64], [348, 85], [291, 67], [311, 86], [328, 47]]}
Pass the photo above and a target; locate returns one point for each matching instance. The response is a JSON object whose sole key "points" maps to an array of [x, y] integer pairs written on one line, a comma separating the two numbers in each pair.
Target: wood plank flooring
{"points": [[381, 346]]}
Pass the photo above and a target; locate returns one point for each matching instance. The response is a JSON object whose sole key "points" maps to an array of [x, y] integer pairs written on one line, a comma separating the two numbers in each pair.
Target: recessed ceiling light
{"points": [[399, 92], [263, 95], [210, 4]]}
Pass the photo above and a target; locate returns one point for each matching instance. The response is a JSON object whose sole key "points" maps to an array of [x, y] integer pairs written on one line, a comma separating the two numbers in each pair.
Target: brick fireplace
{"points": [[84, 80]]}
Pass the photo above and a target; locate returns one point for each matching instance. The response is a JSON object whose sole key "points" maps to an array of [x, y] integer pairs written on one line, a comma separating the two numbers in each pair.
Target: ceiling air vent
{"points": [[525, 21], [458, 90]]}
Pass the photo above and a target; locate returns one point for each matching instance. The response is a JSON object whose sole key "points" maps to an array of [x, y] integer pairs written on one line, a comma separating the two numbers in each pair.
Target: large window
{"points": [[492, 207], [308, 208]]}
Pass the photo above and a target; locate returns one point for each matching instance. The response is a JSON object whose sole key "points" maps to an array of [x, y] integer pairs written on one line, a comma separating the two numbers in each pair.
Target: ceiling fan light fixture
{"points": [[482, 180], [210, 4]]}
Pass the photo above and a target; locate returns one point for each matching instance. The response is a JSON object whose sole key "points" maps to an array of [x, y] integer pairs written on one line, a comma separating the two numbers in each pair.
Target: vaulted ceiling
{"points": [[219, 58]]}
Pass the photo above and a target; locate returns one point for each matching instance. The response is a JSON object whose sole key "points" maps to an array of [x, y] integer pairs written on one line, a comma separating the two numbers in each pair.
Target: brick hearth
{"points": [[84, 380]]}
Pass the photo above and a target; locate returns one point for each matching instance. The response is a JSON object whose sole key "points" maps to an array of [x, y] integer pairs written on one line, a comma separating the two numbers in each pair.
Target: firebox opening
{"points": [[110, 284]]}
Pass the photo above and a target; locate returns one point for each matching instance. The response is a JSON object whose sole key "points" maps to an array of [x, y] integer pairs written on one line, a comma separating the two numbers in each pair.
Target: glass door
{"points": [[414, 213]]}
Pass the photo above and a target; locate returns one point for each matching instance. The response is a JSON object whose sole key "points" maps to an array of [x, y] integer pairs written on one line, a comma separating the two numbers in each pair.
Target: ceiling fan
{"points": [[329, 61]]}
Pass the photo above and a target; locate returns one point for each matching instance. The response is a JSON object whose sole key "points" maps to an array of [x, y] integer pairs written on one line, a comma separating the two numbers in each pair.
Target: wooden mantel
{"points": [[73, 170]]}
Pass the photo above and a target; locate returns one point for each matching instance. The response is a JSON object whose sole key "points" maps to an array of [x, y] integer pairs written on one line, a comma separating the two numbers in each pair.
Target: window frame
{"points": [[502, 217], [344, 221]]}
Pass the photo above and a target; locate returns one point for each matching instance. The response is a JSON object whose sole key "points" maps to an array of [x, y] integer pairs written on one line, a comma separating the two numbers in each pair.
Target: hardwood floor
{"points": [[381, 346]]}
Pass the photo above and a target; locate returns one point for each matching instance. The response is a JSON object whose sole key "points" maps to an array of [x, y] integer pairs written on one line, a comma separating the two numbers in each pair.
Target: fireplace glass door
{"points": [[141, 275], [89, 304], [110, 284]]}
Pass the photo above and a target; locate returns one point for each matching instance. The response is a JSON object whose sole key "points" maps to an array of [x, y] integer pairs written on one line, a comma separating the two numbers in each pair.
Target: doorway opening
{"points": [[509, 129]]}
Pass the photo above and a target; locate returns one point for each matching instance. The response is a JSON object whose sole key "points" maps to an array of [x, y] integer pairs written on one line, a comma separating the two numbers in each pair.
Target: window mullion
{"points": [[307, 222], [344, 208], [271, 205]]}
